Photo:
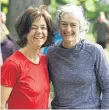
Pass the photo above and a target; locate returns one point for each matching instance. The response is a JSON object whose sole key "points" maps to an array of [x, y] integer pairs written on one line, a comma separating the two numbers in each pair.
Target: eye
{"points": [[34, 27], [43, 27], [64, 24], [73, 25]]}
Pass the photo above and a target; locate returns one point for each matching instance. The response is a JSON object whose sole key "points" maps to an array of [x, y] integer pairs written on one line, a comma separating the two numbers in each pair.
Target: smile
{"points": [[38, 37], [69, 34]]}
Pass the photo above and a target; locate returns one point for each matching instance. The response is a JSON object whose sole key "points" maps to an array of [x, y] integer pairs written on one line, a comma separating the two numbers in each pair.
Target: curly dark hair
{"points": [[24, 22]]}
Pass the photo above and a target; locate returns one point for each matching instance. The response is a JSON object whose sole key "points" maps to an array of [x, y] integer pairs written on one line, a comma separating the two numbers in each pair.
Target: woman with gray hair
{"points": [[78, 68]]}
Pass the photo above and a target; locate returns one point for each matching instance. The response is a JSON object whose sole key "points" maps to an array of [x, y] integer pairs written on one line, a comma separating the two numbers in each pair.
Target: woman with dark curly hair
{"points": [[24, 75]]}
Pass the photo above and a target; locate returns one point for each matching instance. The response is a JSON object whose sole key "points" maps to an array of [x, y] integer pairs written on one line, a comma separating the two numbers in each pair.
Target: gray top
{"points": [[79, 76]]}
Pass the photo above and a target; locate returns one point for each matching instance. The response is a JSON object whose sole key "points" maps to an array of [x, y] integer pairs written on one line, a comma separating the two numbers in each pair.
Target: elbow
{"points": [[2, 106]]}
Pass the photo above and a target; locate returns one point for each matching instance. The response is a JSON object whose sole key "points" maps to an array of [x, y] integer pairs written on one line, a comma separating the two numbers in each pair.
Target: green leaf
{"points": [[90, 6], [5, 1]]}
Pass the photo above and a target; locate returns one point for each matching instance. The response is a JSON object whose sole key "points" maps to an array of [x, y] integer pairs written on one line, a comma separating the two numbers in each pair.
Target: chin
{"points": [[41, 44], [69, 40]]}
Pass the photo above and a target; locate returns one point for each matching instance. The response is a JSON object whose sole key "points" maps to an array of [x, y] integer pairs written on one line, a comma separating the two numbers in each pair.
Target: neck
{"points": [[31, 54], [69, 44]]}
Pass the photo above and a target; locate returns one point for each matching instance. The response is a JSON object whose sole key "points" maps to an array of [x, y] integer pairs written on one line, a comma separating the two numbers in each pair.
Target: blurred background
{"points": [[93, 8], [12, 8]]}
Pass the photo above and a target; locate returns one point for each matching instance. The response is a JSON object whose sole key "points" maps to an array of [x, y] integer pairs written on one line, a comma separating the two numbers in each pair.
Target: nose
{"points": [[39, 30], [68, 28]]}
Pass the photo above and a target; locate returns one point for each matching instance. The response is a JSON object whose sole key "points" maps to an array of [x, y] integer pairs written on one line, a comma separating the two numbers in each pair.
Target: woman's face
{"points": [[69, 28], [38, 33]]}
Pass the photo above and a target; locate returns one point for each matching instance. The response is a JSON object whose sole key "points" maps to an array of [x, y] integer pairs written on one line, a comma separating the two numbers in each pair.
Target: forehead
{"points": [[68, 17], [39, 21]]}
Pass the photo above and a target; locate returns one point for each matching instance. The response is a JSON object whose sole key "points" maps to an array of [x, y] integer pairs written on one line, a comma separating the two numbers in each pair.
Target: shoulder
{"points": [[16, 57], [91, 47], [53, 48], [42, 56], [9, 65], [11, 61], [10, 72]]}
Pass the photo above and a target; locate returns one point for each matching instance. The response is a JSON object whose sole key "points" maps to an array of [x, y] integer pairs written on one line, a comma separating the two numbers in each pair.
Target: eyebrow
{"points": [[63, 21], [66, 22], [37, 25]]}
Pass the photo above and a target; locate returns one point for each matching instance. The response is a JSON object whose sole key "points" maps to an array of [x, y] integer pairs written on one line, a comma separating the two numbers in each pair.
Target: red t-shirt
{"points": [[30, 82]]}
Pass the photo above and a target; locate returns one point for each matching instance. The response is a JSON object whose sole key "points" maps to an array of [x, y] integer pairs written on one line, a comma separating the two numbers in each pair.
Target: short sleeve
{"points": [[9, 72]]}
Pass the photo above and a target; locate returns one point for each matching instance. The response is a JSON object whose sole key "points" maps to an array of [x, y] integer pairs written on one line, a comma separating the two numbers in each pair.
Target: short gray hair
{"points": [[78, 12]]}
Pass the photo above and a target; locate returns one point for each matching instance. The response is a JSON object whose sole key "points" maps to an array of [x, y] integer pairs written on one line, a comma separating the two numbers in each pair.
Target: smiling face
{"points": [[69, 28], [38, 33]]}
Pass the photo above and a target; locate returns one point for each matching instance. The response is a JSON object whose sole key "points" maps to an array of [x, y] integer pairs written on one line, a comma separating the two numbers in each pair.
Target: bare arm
{"points": [[5, 93]]}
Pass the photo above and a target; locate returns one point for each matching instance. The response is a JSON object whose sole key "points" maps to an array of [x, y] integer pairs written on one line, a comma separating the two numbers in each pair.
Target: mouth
{"points": [[69, 34], [39, 37]]}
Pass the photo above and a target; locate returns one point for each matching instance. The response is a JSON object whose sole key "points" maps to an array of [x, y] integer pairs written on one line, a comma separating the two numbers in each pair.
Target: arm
{"points": [[5, 93], [8, 80], [102, 73], [49, 52]]}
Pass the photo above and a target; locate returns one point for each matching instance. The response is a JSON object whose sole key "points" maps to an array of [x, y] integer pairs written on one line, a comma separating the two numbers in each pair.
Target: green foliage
{"points": [[91, 7], [4, 1], [99, 7], [4, 6], [63, 1]]}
